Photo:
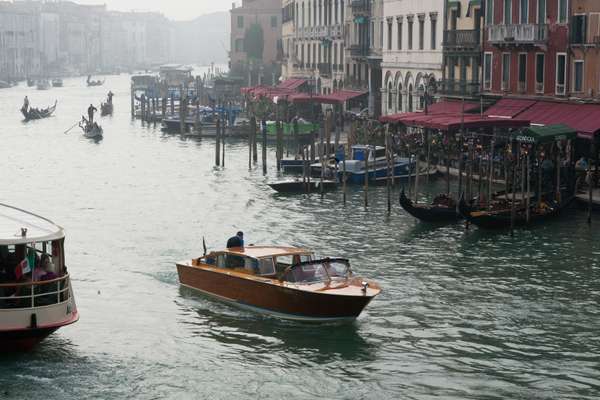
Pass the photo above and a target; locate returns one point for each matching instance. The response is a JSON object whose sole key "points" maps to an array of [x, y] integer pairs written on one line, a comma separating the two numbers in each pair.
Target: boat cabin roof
{"points": [[266, 251], [19, 227]]}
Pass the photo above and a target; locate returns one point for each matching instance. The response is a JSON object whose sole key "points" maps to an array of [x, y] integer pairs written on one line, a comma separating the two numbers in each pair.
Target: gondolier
{"points": [[26, 104], [91, 110], [110, 97]]}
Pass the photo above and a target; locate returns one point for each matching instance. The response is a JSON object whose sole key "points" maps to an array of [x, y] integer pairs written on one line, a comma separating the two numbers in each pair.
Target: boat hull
{"points": [[277, 300], [303, 187], [429, 213], [23, 340]]}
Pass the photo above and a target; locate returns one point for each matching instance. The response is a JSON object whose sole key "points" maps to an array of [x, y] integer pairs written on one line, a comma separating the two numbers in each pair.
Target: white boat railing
{"points": [[42, 293]]}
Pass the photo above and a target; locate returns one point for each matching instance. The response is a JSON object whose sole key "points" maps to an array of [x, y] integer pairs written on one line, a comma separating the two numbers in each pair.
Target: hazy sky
{"points": [[173, 9]]}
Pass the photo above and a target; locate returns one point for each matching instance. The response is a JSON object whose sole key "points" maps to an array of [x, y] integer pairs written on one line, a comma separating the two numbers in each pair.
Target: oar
{"points": [[68, 130]]}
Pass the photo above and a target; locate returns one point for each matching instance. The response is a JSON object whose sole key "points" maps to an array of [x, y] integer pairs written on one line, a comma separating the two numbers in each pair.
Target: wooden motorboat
{"points": [[297, 186], [286, 282], [92, 130], [31, 113], [442, 210], [36, 297], [500, 217]]}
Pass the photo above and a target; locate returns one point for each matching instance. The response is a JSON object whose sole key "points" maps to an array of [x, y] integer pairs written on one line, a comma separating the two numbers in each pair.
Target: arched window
{"points": [[422, 98], [390, 97], [303, 15], [410, 98], [335, 54], [315, 13], [334, 85], [399, 104]]}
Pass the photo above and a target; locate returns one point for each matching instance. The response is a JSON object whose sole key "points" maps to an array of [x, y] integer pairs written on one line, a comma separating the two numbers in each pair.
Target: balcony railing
{"points": [[320, 32], [582, 40], [462, 38], [453, 87], [518, 34]]}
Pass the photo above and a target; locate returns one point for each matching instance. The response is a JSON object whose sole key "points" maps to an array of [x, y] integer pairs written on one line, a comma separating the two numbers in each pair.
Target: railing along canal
{"points": [[42, 293]]}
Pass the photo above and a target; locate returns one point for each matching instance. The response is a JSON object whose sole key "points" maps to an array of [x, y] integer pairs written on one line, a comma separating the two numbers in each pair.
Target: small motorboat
{"points": [[91, 130], [286, 282], [36, 297], [31, 113], [57, 82], [298, 186], [91, 82], [43, 84]]}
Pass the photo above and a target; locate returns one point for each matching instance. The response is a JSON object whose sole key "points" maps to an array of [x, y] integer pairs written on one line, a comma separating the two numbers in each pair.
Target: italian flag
{"points": [[22, 268]]}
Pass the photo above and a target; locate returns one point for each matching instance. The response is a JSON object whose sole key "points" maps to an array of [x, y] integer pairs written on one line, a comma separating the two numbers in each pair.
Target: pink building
{"points": [[256, 18]]}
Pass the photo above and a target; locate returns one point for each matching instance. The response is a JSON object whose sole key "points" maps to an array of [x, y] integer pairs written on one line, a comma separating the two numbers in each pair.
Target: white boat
{"points": [[36, 297]]}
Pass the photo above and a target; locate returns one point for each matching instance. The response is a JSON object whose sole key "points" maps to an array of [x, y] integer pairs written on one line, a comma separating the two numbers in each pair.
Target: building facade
{"points": [[462, 46], [19, 51], [526, 48], [585, 49], [255, 40], [412, 53], [364, 38]]}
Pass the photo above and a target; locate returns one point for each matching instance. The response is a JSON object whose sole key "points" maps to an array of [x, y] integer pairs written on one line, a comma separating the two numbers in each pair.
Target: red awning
{"points": [[584, 118], [452, 107], [453, 122], [339, 97], [509, 108], [292, 84]]}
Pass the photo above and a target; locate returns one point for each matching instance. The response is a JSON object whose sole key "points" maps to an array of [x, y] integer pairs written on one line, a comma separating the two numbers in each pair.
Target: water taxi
{"points": [[36, 297], [286, 282]]}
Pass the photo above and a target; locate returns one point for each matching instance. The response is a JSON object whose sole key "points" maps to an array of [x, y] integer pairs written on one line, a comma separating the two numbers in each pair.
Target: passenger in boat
{"points": [[91, 110], [236, 241], [45, 269]]}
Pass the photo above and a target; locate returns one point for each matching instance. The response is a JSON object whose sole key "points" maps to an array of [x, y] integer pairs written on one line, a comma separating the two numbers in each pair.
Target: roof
{"points": [[452, 107], [509, 108], [546, 134], [584, 118], [267, 251], [39, 229], [453, 122]]}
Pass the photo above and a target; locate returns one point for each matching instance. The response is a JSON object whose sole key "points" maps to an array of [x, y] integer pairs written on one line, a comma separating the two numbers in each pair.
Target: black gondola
{"points": [[90, 82], [303, 187], [106, 109], [501, 218], [34, 113], [442, 210]]}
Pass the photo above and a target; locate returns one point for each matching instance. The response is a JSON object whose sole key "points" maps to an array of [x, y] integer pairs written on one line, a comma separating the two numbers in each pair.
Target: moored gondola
{"points": [[442, 209], [298, 186], [501, 217], [31, 113]]}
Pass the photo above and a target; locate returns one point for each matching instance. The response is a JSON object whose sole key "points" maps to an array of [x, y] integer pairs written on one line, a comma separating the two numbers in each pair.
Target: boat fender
{"points": [[365, 286], [33, 324]]}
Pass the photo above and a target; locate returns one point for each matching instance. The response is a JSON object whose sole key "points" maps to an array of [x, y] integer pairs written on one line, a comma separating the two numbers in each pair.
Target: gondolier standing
{"points": [[91, 110], [26, 104], [110, 96]]}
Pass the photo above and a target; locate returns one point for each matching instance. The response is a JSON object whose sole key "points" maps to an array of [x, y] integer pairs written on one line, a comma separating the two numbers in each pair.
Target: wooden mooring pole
{"points": [[218, 143]]}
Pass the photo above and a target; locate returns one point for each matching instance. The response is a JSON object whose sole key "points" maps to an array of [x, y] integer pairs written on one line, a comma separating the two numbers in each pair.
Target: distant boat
{"points": [[106, 109], [298, 186], [30, 82], [34, 113], [57, 82], [43, 84], [90, 82], [91, 131], [4, 85]]}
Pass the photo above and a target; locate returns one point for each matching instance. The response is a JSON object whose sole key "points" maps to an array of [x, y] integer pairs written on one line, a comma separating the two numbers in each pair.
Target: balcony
{"points": [[518, 34], [467, 39], [325, 70], [454, 87], [359, 50]]}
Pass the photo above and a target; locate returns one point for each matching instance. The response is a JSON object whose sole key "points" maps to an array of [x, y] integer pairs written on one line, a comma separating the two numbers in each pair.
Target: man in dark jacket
{"points": [[91, 110], [236, 241]]}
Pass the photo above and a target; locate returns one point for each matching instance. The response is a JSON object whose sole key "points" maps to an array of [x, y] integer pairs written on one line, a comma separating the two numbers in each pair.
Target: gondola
{"points": [[500, 218], [94, 83], [57, 82], [34, 113], [91, 131], [106, 109], [442, 210], [297, 186]]}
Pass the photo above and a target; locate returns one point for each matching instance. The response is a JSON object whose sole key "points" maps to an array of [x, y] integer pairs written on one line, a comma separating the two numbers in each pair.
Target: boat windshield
{"points": [[318, 271]]}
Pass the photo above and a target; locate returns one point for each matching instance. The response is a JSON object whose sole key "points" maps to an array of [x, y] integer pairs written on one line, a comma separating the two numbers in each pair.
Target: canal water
{"points": [[463, 314]]}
